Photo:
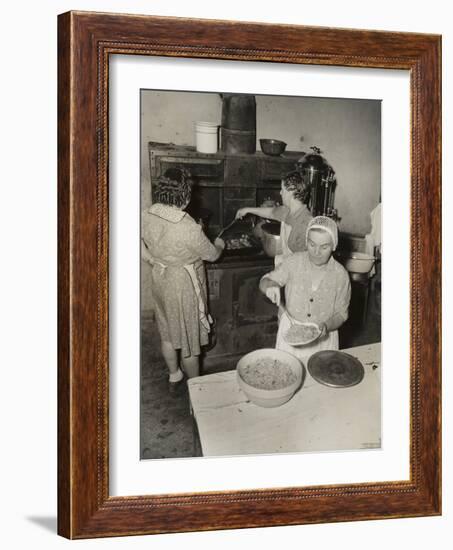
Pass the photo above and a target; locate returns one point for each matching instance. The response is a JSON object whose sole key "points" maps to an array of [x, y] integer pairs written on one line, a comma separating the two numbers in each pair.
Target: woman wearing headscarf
{"points": [[317, 289]]}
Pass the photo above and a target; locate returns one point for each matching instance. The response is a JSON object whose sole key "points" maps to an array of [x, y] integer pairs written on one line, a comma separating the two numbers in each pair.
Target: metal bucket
{"points": [[272, 242]]}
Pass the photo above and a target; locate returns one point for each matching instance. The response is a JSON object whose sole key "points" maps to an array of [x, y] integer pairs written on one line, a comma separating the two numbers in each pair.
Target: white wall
{"points": [[349, 134], [28, 291], [347, 131], [169, 117]]}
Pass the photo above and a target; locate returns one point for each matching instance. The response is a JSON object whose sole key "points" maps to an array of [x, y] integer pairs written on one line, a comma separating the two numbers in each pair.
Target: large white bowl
{"points": [[264, 397], [356, 262]]}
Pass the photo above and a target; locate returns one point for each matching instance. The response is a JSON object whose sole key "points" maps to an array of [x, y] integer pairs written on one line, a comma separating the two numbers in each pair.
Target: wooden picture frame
{"points": [[86, 40]]}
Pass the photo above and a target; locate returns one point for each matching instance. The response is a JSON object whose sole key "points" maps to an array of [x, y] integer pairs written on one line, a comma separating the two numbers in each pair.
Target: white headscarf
{"points": [[326, 224]]}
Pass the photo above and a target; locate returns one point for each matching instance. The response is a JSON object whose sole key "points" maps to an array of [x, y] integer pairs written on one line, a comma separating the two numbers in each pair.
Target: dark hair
{"points": [[293, 181], [174, 187]]}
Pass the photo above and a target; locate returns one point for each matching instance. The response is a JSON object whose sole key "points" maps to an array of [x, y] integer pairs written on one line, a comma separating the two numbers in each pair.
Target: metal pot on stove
{"points": [[271, 239]]}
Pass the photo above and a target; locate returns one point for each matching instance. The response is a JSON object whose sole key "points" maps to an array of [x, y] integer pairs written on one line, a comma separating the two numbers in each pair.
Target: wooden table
{"points": [[317, 418]]}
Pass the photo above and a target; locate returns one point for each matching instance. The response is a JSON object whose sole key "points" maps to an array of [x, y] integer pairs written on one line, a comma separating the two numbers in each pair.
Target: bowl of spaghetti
{"points": [[301, 334], [269, 377]]}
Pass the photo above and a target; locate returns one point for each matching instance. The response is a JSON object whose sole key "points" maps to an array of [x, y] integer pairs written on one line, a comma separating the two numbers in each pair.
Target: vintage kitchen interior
{"points": [[247, 397]]}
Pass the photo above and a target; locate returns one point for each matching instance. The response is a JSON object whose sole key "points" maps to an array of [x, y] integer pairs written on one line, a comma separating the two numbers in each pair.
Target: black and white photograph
{"points": [[179, 181], [260, 274]]}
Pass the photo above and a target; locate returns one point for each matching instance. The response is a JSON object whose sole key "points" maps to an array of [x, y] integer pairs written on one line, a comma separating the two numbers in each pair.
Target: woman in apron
{"points": [[175, 246], [317, 289], [293, 214]]}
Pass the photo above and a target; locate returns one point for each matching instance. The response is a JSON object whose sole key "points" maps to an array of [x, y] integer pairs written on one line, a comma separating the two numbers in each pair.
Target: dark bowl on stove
{"points": [[272, 147]]}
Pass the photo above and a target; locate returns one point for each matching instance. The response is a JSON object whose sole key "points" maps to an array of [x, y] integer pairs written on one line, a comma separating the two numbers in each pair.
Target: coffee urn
{"points": [[320, 176]]}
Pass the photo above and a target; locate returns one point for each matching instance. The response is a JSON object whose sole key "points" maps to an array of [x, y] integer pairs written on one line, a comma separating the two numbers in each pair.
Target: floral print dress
{"points": [[176, 247]]}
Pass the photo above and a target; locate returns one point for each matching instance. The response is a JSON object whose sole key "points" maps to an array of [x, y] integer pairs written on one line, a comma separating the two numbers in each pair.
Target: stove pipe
{"points": [[238, 131]]}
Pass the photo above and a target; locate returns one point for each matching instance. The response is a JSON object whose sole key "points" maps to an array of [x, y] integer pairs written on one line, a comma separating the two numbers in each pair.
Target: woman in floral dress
{"points": [[176, 246]]}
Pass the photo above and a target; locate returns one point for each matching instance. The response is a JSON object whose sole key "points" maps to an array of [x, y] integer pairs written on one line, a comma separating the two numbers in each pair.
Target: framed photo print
{"points": [[249, 275]]}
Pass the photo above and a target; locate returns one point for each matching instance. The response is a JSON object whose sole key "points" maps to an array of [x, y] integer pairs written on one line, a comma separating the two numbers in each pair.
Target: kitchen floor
{"points": [[166, 424]]}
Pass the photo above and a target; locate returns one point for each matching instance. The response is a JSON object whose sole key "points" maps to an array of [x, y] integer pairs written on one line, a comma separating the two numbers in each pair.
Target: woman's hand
{"points": [[219, 243], [273, 293], [323, 330], [241, 213]]}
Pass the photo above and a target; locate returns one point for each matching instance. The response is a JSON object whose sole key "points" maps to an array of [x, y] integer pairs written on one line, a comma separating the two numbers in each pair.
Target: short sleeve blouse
{"points": [[298, 221]]}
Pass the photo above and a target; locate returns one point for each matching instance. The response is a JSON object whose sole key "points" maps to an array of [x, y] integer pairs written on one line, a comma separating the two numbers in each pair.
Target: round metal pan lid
{"points": [[335, 369]]}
